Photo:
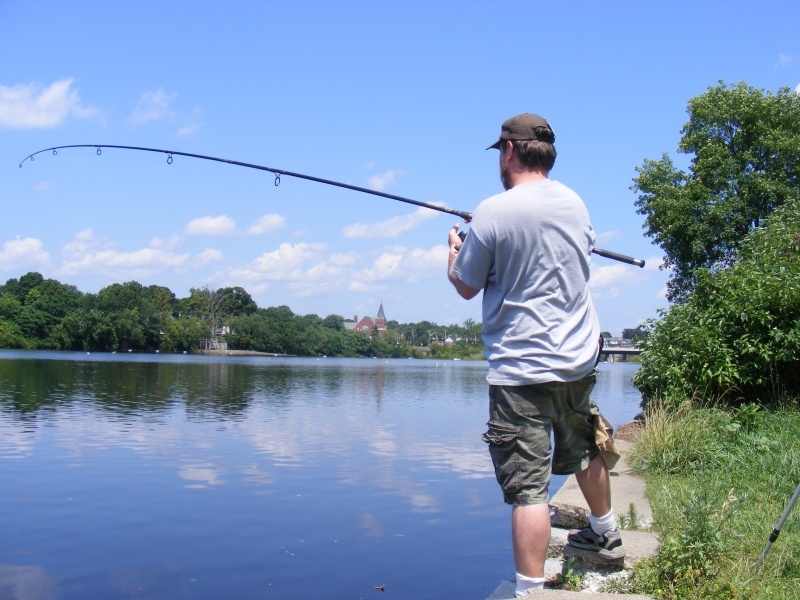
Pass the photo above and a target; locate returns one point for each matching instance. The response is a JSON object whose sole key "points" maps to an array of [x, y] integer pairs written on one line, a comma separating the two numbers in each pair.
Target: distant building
{"points": [[367, 324]]}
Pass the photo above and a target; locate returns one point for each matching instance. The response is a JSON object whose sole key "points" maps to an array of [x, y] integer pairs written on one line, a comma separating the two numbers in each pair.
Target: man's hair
{"points": [[536, 155]]}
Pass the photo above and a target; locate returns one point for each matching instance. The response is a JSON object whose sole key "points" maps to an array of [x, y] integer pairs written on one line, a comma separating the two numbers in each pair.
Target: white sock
{"points": [[601, 525], [525, 583]]}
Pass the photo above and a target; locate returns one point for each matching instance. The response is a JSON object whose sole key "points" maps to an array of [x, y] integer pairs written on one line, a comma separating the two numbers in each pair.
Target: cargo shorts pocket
{"points": [[502, 440]]}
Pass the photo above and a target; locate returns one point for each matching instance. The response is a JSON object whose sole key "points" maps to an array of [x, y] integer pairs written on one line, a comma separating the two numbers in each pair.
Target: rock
{"points": [[568, 516]]}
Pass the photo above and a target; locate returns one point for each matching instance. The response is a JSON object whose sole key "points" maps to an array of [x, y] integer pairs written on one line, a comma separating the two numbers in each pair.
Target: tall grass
{"points": [[718, 482]]}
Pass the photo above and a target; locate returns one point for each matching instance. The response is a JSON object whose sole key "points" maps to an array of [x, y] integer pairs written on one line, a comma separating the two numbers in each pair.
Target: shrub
{"points": [[737, 336]]}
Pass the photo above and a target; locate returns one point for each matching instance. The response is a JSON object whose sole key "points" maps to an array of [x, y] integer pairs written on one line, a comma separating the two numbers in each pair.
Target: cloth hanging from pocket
{"points": [[604, 437]]}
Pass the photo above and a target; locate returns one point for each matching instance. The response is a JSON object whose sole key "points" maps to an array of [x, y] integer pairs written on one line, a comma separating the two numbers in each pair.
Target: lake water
{"points": [[164, 476]]}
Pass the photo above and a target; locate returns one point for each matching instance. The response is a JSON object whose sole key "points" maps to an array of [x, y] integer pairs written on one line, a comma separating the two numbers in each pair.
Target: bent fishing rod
{"points": [[280, 172]]}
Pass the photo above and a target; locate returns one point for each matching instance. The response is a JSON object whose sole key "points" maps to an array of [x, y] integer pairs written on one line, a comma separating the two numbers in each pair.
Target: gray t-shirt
{"points": [[529, 251]]}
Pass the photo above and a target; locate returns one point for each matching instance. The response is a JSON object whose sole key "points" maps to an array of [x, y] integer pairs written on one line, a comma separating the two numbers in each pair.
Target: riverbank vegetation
{"points": [[720, 373], [38, 313], [736, 338], [719, 481]]}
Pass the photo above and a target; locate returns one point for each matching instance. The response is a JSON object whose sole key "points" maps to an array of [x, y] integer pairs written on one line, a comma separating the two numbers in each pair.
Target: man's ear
{"points": [[507, 151]]}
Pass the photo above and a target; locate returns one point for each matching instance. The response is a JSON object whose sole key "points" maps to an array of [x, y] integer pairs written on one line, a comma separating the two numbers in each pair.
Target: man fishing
{"points": [[529, 251]]}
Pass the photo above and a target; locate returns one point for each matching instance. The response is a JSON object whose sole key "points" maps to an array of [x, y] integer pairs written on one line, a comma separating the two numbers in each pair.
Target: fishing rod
{"points": [[280, 172]]}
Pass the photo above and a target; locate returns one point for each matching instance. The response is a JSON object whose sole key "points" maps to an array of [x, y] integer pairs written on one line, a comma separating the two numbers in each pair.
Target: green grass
{"points": [[718, 483]]}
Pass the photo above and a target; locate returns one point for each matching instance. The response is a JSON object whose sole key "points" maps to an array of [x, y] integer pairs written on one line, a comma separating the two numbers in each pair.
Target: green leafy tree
{"points": [[118, 297], [11, 336], [40, 313], [334, 322], [235, 301], [99, 332], [182, 334], [736, 338], [162, 299], [19, 288], [635, 335], [36, 305], [744, 145]]}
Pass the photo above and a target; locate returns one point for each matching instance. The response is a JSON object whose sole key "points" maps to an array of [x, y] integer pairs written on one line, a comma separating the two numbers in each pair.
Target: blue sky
{"points": [[402, 97]]}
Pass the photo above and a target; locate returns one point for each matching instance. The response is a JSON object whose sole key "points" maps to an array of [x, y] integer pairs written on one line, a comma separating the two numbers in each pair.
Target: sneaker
{"points": [[608, 545]]}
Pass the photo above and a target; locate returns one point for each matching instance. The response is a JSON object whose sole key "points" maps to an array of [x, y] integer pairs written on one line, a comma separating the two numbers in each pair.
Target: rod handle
{"points": [[620, 257]]}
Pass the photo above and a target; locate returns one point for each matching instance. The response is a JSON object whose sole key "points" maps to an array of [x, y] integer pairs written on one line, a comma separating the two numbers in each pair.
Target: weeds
{"points": [[569, 578], [718, 481], [630, 519], [674, 442]]}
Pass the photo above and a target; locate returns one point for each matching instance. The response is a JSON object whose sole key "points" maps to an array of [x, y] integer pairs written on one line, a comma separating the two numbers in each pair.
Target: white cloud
{"points": [[797, 89], [605, 236], [381, 181], [87, 254], [209, 255], [653, 263], [41, 186], [188, 130], [170, 243], [192, 125], [607, 280], [152, 106], [19, 254], [420, 260], [287, 262], [306, 269], [201, 260], [33, 107], [357, 286], [222, 225], [386, 266], [400, 264], [267, 224], [784, 60], [389, 228], [343, 258]]}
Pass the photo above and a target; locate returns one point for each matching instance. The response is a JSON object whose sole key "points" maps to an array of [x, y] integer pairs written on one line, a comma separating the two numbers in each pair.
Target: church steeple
{"points": [[381, 316]]}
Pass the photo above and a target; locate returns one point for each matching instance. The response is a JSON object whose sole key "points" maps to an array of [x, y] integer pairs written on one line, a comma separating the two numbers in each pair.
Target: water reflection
{"points": [[290, 414], [26, 582], [213, 469]]}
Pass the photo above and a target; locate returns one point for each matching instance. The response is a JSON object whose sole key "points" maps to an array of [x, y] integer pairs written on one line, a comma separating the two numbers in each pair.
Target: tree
{"points": [[162, 299], [640, 333], [120, 296], [182, 334], [335, 322], [736, 338], [745, 149], [235, 301], [19, 288], [207, 304]]}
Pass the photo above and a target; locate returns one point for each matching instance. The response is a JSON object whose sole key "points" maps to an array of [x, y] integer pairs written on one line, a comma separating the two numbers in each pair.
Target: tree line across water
{"points": [[39, 313], [728, 226]]}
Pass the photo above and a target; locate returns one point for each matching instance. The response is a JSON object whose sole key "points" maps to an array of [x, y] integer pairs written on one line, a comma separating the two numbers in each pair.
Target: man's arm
{"points": [[462, 288]]}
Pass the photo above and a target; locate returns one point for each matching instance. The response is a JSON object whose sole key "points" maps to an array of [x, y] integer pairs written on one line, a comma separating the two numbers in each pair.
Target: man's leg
{"points": [[594, 484], [602, 535], [530, 531]]}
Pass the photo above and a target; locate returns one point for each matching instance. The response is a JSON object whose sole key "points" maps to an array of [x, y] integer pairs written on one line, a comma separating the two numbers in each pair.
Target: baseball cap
{"points": [[524, 127]]}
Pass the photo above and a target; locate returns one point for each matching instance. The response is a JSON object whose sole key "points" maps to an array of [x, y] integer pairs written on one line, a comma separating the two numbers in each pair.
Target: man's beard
{"points": [[504, 176]]}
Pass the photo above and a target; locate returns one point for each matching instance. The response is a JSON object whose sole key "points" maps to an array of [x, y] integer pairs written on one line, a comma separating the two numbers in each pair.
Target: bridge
{"points": [[619, 347]]}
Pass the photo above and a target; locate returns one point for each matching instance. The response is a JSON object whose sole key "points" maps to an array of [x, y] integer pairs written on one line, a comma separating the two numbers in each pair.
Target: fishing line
{"points": [[278, 173]]}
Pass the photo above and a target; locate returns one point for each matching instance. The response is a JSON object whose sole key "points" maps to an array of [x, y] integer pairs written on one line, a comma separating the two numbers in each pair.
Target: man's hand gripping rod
{"points": [[278, 172]]}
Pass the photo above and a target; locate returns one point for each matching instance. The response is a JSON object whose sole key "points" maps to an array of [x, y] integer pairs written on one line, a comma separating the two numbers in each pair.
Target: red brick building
{"points": [[367, 324]]}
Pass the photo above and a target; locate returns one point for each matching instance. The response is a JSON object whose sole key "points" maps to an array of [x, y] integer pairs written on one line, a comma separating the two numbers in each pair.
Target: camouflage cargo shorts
{"points": [[521, 421]]}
